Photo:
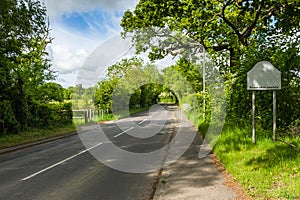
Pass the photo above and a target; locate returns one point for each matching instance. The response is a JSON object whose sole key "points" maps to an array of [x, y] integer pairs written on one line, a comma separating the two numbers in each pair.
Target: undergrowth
{"points": [[267, 169]]}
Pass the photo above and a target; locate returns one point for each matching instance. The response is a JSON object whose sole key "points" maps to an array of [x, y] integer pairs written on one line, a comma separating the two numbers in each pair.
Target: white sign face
{"points": [[264, 76]]}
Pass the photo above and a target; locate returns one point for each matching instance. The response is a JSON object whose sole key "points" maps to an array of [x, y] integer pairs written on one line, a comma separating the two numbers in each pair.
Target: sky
{"points": [[78, 28]]}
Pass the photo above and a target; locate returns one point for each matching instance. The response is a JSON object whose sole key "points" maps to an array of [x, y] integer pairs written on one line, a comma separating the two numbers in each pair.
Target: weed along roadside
{"points": [[264, 160], [32, 136], [37, 136], [267, 169]]}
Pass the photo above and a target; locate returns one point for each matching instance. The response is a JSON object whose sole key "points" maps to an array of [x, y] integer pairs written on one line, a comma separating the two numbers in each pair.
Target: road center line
{"points": [[143, 121], [61, 162], [123, 132]]}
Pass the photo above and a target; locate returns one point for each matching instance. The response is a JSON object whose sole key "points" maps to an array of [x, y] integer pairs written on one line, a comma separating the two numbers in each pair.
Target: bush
{"points": [[50, 115], [8, 121]]}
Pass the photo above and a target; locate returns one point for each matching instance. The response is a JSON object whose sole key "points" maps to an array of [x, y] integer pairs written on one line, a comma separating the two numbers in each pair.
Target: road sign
{"points": [[264, 76]]}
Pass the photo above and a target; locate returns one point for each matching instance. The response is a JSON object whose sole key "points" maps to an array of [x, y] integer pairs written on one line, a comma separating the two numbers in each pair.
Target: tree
{"points": [[283, 53], [51, 92], [185, 81], [181, 87], [237, 34], [129, 83], [106, 87], [103, 94], [23, 64], [231, 25]]}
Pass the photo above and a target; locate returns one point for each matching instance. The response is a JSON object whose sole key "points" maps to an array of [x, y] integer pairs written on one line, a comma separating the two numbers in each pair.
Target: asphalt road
{"points": [[65, 169]]}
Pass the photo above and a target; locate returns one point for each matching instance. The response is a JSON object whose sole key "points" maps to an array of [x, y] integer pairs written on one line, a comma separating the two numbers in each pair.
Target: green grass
{"points": [[267, 169], [81, 122], [108, 116], [167, 100], [123, 114], [33, 135]]}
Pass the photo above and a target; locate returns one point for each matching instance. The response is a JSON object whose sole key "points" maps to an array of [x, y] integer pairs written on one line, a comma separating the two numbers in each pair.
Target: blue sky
{"points": [[96, 22], [77, 28]]}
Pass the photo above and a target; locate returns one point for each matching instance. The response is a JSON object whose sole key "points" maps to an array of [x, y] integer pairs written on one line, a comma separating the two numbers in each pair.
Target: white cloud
{"points": [[70, 48], [67, 80], [66, 60], [56, 8], [106, 54]]}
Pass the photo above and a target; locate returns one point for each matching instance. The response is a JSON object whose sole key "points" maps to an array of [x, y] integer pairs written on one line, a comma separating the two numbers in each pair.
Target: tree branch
{"points": [[221, 47], [213, 18], [248, 29], [292, 145], [235, 29]]}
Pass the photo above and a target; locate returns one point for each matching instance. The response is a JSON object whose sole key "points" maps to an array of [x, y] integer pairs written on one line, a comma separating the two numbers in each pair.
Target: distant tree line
{"points": [[129, 84]]}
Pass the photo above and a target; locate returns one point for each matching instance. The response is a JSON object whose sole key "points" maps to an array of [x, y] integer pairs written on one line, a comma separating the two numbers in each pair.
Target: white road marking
{"points": [[123, 132], [143, 121], [71, 157], [61, 162]]}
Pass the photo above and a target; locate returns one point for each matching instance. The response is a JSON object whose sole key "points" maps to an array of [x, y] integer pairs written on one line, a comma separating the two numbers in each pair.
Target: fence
{"points": [[87, 115]]}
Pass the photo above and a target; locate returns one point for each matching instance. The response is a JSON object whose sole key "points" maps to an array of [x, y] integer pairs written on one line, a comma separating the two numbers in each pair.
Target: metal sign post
{"points": [[263, 76], [204, 85], [253, 117], [274, 115]]}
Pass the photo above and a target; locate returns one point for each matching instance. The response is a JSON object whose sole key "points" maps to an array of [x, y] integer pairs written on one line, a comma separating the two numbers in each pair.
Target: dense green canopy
{"points": [[237, 34], [218, 25], [24, 68]]}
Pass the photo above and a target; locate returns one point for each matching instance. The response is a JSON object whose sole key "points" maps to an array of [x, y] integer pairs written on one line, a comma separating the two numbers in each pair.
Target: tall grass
{"points": [[267, 169], [33, 135]]}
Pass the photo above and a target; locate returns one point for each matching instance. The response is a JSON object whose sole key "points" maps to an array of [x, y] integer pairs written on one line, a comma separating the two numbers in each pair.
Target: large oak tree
{"points": [[218, 25]]}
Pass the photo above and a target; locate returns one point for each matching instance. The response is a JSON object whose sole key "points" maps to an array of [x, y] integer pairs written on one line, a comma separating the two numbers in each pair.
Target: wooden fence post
{"points": [[86, 120]]}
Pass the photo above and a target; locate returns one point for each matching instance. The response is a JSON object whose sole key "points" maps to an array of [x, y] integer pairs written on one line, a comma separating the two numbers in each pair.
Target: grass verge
{"points": [[267, 169], [33, 136], [109, 116]]}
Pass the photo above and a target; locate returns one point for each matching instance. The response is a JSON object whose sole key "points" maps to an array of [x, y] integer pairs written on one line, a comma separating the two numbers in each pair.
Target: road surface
{"points": [[65, 169]]}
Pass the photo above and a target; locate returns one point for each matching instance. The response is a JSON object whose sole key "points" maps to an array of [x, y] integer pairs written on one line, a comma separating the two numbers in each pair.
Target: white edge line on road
{"points": [[123, 132], [61, 162], [143, 121]]}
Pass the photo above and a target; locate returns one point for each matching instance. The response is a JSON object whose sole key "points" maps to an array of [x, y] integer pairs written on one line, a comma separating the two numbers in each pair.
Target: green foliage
{"points": [[181, 86], [191, 105], [218, 25], [81, 98], [50, 115], [284, 56], [8, 120], [191, 73], [77, 92], [129, 84], [104, 94], [24, 69], [34, 135], [167, 96], [185, 81], [237, 34], [266, 170], [51, 92]]}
